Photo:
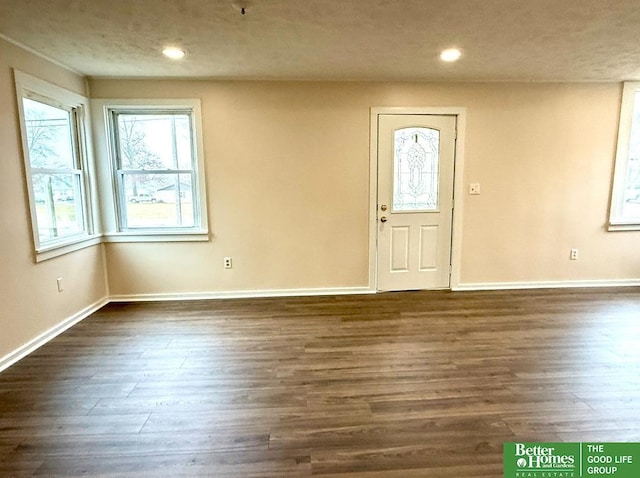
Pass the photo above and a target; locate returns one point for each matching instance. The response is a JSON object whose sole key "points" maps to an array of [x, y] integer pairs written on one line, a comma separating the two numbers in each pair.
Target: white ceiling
{"points": [[502, 40]]}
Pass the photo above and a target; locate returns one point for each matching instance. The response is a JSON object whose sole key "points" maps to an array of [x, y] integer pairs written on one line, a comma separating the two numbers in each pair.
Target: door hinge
{"points": [[455, 134]]}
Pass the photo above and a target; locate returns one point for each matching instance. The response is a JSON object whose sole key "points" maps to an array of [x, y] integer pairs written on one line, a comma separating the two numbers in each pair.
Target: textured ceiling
{"points": [[502, 40]]}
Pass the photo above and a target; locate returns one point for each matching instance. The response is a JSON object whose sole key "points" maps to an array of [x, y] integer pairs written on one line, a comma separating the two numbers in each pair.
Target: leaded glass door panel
{"points": [[416, 158], [415, 200]]}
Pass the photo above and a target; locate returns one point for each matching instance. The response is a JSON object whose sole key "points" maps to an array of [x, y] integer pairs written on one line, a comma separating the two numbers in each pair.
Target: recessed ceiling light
{"points": [[173, 53], [450, 54]]}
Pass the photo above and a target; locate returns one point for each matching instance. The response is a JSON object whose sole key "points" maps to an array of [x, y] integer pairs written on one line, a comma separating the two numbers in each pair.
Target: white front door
{"points": [[415, 201]]}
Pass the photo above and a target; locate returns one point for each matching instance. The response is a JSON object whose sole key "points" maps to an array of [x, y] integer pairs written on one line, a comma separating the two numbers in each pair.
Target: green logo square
{"points": [[541, 460]]}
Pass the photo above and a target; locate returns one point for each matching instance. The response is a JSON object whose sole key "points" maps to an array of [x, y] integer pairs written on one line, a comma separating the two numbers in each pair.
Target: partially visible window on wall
{"points": [[625, 203], [157, 178], [54, 152]]}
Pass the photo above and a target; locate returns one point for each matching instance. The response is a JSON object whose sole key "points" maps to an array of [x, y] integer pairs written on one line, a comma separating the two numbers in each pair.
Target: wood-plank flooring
{"points": [[412, 384]]}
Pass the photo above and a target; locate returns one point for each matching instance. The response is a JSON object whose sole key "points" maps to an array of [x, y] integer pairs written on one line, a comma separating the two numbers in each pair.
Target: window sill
{"points": [[57, 250], [195, 236], [621, 226]]}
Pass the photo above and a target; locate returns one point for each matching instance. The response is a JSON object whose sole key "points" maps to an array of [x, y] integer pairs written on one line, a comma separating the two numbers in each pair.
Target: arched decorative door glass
{"points": [[416, 169]]}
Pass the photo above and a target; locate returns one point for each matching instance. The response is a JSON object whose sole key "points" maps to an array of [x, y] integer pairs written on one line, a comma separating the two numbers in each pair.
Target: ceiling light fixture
{"points": [[450, 54], [173, 53]]}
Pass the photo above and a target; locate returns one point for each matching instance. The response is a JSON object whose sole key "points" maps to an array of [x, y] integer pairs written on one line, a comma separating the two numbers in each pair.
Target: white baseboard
{"points": [[241, 294], [547, 284], [40, 340]]}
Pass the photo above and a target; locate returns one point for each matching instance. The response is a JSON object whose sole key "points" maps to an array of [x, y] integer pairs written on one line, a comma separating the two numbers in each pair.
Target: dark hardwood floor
{"points": [[413, 384]]}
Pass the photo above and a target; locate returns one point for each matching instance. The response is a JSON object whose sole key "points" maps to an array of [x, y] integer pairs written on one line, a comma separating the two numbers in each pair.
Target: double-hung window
{"points": [[625, 201], [156, 171], [52, 122]]}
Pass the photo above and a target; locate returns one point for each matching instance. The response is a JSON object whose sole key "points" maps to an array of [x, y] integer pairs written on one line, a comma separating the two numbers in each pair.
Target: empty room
{"points": [[278, 238]]}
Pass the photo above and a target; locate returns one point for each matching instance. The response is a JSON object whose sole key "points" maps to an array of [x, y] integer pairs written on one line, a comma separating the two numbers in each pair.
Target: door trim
{"points": [[458, 186]]}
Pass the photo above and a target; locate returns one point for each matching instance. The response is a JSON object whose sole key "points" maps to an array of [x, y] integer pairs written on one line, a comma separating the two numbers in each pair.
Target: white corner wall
{"points": [[32, 308]]}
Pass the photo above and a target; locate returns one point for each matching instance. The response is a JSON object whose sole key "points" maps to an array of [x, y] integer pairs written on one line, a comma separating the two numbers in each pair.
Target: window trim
{"points": [[616, 221], [108, 174], [30, 87]]}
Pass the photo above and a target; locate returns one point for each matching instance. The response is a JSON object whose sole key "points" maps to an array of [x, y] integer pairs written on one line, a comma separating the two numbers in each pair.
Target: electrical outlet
{"points": [[60, 284], [227, 263], [573, 255], [474, 188]]}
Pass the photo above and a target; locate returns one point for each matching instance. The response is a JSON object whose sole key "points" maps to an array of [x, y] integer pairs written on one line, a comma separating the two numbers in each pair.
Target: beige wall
{"points": [[287, 182], [287, 178], [30, 302]]}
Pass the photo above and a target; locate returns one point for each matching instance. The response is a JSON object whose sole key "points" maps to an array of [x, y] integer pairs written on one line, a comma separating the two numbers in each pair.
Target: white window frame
{"points": [[111, 203], [30, 87], [618, 222]]}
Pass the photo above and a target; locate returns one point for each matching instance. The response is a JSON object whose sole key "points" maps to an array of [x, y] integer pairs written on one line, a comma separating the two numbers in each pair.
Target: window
{"points": [[155, 169], [156, 172], [625, 202], [52, 122]]}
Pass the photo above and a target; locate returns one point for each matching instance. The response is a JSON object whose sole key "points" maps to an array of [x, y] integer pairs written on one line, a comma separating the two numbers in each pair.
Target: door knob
{"points": [[383, 218]]}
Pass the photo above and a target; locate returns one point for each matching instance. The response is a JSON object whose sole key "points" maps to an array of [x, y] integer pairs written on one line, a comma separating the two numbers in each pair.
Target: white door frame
{"points": [[458, 187]]}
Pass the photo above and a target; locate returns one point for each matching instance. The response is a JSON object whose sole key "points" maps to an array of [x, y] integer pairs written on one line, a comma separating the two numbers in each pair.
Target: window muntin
{"points": [[155, 169], [625, 204]]}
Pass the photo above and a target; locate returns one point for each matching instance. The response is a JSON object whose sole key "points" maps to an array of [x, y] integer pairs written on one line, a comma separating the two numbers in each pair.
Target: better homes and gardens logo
{"points": [[542, 460]]}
